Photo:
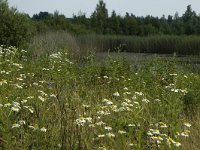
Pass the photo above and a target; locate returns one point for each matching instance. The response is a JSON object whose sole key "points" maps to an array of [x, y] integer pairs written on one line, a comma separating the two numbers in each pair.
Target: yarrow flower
{"points": [[86, 106], [177, 144], [125, 88], [131, 125], [15, 125], [145, 100], [32, 127], [100, 123], [41, 98], [139, 93], [110, 135], [3, 82], [185, 133], [154, 131], [22, 122], [187, 125], [162, 125], [121, 132], [116, 94], [16, 107], [43, 129], [108, 102], [101, 135], [108, 128], [30, 108]]}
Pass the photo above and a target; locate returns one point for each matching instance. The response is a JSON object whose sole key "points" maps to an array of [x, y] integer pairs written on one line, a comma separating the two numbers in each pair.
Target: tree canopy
{"points": [[101, 23], [15, 28]]}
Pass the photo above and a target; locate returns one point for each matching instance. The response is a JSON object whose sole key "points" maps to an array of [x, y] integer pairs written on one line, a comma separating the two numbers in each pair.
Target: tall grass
{"points": [[163, 44], [53, 41], [55, 103], [82, 45]]}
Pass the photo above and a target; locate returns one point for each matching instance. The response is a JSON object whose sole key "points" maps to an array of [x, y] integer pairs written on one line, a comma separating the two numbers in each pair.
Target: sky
{"points": [[137, 7]]}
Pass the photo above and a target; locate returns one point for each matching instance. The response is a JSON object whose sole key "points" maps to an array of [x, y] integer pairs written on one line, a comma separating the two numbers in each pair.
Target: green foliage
{"points": [[15, 28], [99, 18], [101, 23], [161, 44], [54, 103], [45, 21], [52, 41], [114, 23]]}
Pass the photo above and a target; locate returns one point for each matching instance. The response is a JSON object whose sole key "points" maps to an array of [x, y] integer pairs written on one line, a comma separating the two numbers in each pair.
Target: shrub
{"points": [[15, 28]]}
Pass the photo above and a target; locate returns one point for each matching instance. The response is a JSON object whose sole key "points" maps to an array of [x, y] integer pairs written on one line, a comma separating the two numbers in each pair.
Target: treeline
{"points": [[101, 23], [17, 28]]}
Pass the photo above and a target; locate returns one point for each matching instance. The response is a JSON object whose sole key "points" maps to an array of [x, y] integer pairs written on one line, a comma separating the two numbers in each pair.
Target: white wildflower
{"points": [[16, 109], [187, 125], [157, 100], [149, 133], [101, 135], [41, 98], [43, 129], [124, 104], [110, 135], [155, 131], [177, 144], [105, 77], [173, 74], [145, 100], [53, 95], [131, 125], [3, 82], [7, 105], [185, 133], [15, 125], [175, 90], [139, 93], [101, 112], [125, 88], [100, 123], [109, 103], [121, 132], [32, 127], [116, 94], [108, 128], [21, 122], [23, 101]]}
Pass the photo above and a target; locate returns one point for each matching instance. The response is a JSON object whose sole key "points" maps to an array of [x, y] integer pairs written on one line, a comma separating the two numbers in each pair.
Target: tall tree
{"points": [[190, 20], [99, 17], [41, 16], [189, 14], [114, 23], [130, 24]]}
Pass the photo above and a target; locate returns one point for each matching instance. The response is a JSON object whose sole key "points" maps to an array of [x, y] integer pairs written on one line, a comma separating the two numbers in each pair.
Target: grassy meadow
{"points": [[52, 101]]}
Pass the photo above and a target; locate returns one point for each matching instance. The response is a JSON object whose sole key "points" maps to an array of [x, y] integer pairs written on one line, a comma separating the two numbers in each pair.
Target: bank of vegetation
{"points": [[103, 32]]}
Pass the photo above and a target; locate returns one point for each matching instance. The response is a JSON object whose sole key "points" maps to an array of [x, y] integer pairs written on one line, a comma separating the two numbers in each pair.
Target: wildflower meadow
{"points": [[54, 102]]}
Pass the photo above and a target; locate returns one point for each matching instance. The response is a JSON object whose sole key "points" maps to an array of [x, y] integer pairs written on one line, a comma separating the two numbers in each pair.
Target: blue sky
{"points": [[137, 7]]}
